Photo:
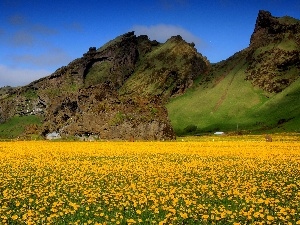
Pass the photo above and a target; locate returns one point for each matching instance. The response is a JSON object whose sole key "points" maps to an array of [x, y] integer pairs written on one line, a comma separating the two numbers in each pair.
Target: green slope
{"points": [[282, 111], [228, 103], [16, 126], [166, 70]]}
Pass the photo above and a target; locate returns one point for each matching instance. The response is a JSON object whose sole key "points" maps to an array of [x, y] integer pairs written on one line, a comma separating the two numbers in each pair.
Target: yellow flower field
{"points": [[229, 182]]}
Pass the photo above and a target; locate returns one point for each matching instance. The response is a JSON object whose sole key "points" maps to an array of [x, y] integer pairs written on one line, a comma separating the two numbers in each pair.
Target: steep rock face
{"points": [[95, 110], [269, 29], [274, 52], [100, 110]]}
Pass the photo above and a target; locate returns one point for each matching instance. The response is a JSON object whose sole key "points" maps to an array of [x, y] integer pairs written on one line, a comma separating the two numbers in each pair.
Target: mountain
{"points": [[135, 88], [106, 93], [255, 90]]}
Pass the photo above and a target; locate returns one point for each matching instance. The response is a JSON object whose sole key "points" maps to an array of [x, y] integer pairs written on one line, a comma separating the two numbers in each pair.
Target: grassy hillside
{"points": [[18, 126], [167, 70], [98, 73], [282, 111], [255, 90], [229, 103]]}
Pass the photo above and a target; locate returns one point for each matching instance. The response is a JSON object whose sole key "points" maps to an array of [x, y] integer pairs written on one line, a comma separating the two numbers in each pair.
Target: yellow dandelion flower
{"points": [[270, 218], [14, 217], [172, 210], [183, 215], [205, 217], [131, 221]]}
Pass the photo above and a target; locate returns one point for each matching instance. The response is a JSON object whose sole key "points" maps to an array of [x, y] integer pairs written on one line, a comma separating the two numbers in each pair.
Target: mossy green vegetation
{"points": [[288, 20], [287, 44], [167, 65], [117, 119], [15, 127], [30, 94], [98, 73], [110, 43]]}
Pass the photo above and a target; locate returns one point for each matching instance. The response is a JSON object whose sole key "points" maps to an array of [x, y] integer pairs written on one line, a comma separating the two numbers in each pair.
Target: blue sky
{"points": [[38, 36]]}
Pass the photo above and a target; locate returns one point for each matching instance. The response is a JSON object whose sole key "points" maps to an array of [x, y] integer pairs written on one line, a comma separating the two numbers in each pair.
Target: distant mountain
{"points": [[5, 91], [255, 90], [134, 88]]}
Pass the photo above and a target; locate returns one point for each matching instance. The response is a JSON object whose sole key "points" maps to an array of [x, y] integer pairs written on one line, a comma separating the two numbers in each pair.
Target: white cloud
{"points": [[29, 36], [18, 77], [26, 33], [75, 27], [44, 30], [53, 57], [22, 38], [162, 32], [17, 20]]}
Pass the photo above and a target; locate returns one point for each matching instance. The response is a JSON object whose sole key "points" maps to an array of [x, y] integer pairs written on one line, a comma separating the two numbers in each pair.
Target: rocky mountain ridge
{"points": [[120, 90], [85, 96]]}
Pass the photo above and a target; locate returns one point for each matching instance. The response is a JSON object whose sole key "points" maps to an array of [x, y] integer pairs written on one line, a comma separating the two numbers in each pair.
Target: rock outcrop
{"points": [[99, 110], [274, 52], [269, 29]]}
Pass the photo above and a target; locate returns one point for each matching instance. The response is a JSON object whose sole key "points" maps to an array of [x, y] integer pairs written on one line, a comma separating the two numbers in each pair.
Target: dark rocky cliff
{"points": [[270, 29], [274, 52]]}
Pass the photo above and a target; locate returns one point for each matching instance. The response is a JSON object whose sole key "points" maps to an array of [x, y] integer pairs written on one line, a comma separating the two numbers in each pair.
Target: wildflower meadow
{"points": [[220, 182]]}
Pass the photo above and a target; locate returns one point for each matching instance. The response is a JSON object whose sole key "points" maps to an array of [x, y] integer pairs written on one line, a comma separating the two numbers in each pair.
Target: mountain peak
{"points": [[264, 19], [175, 38], [270, 29]]}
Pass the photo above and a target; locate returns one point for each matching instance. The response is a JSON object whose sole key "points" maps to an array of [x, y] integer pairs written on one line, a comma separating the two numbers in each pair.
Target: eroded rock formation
{"points": [[274, 52]]}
